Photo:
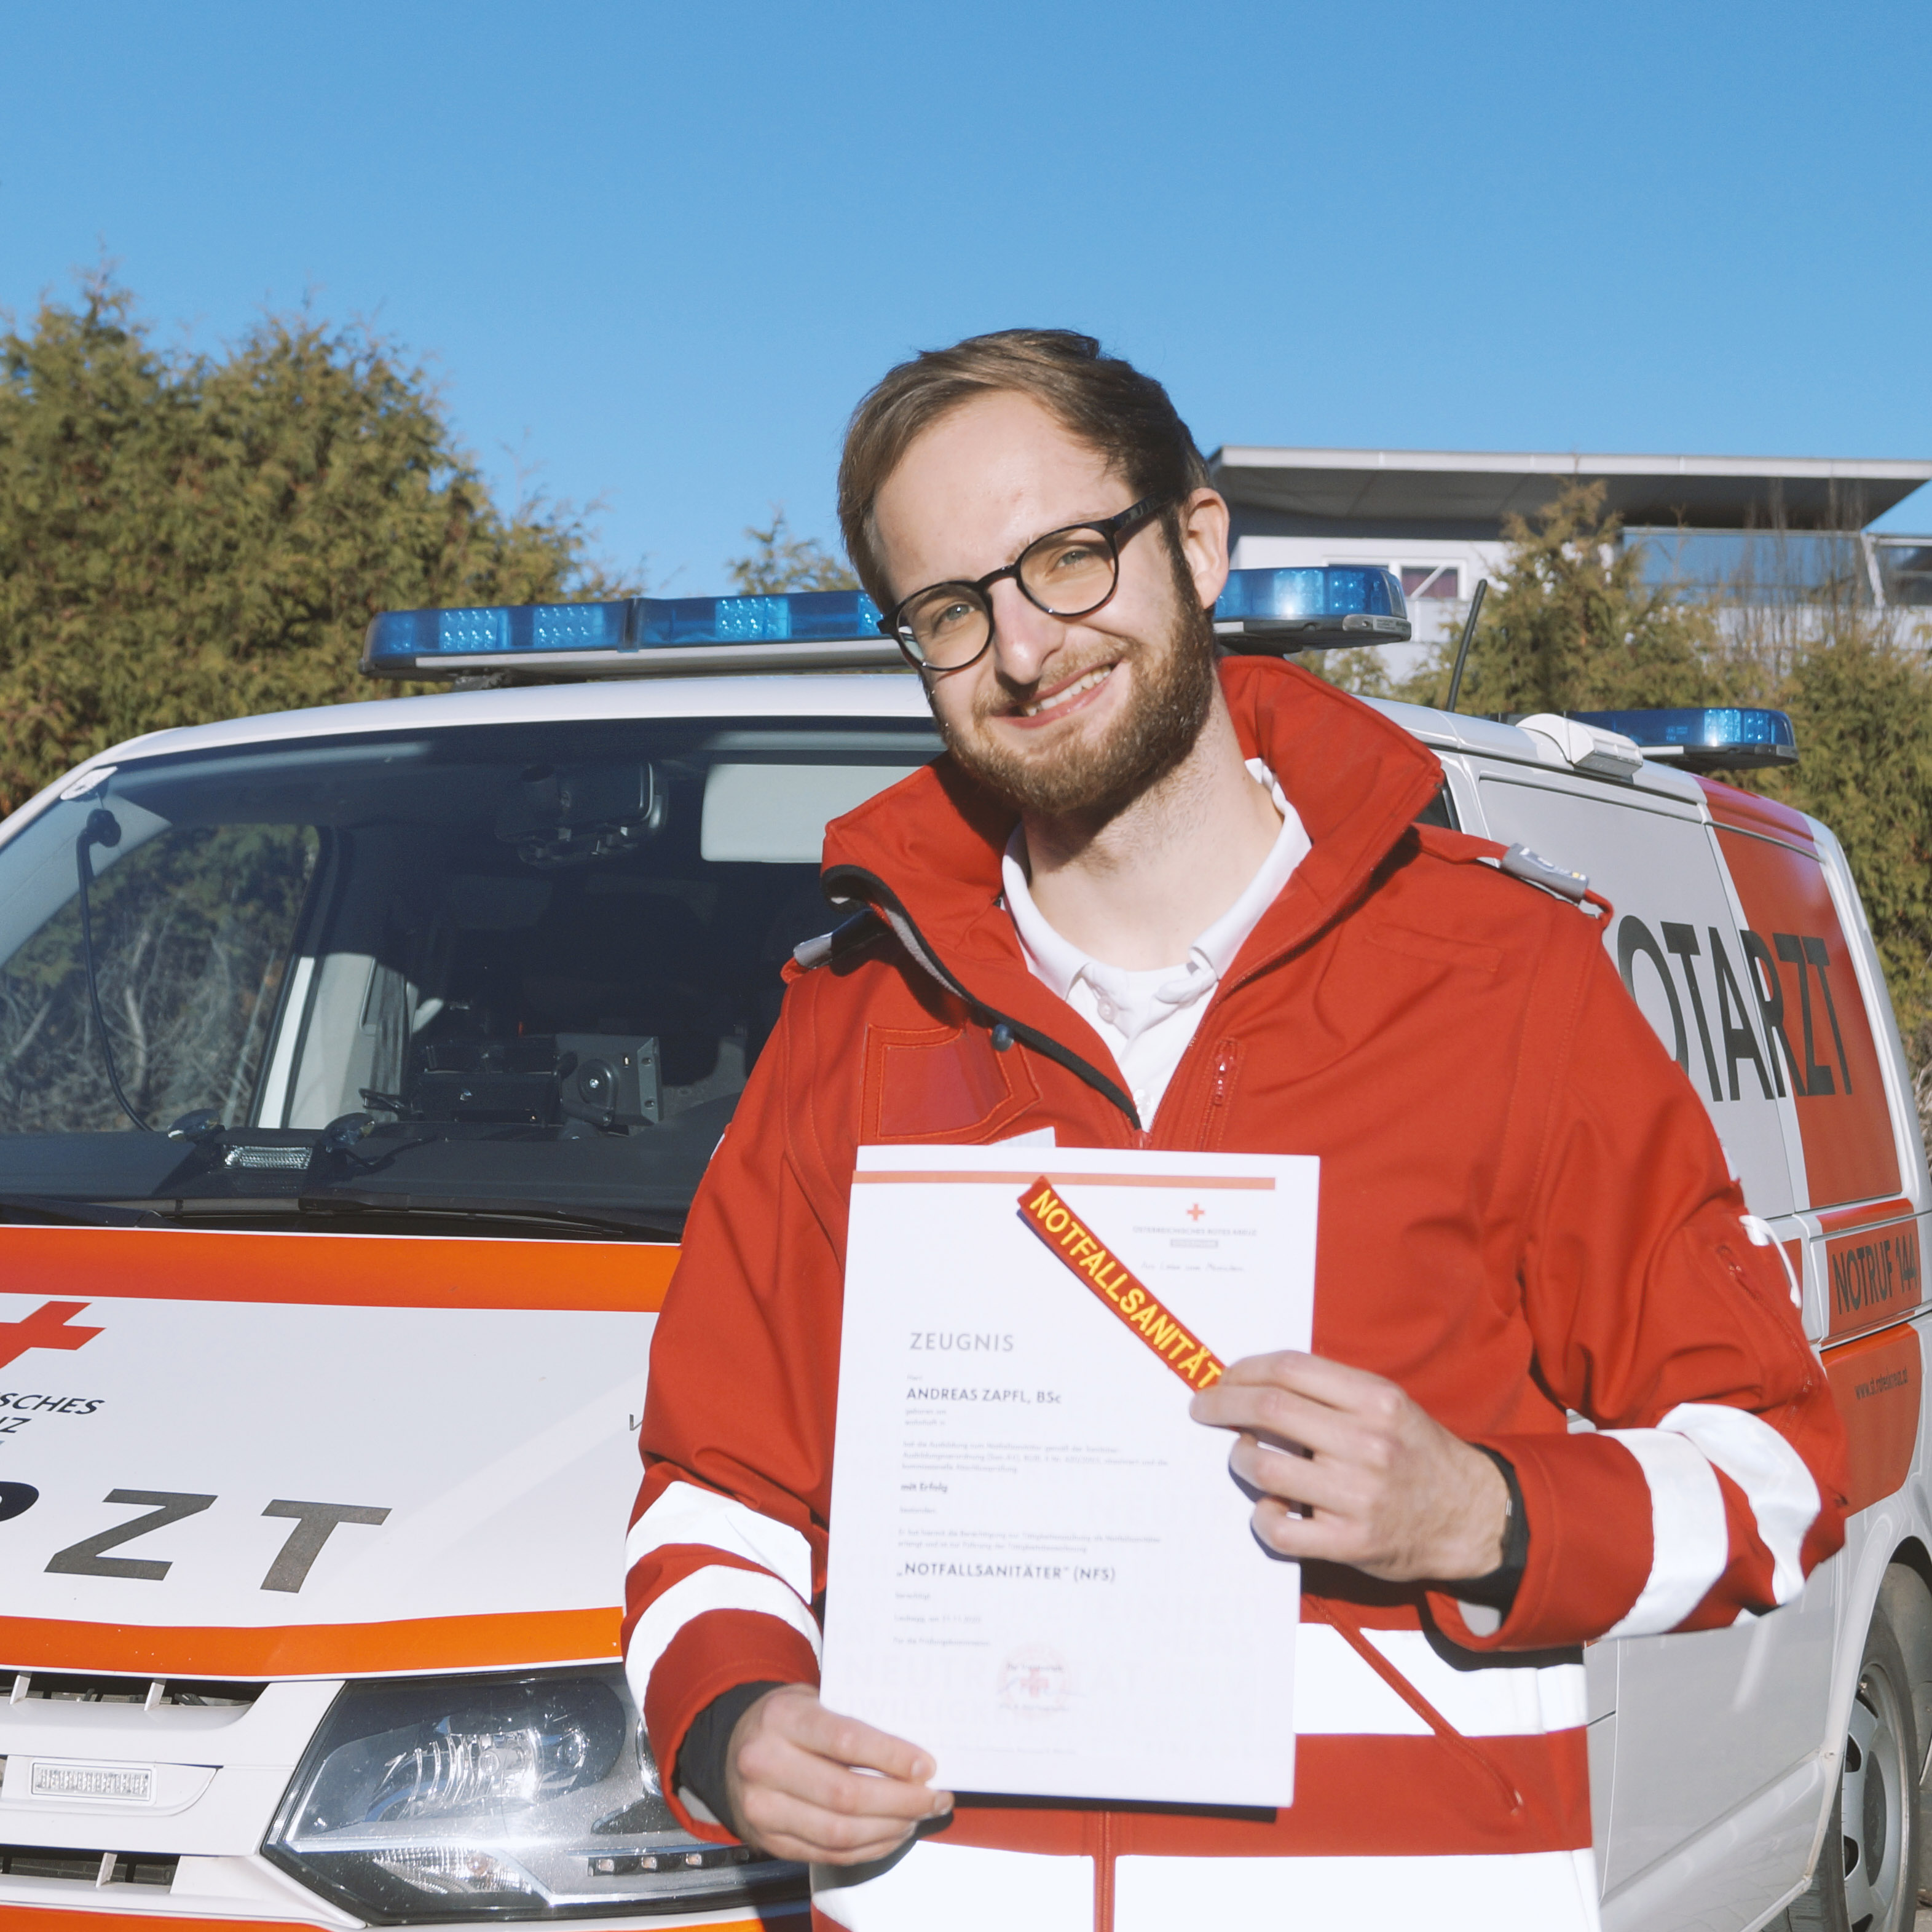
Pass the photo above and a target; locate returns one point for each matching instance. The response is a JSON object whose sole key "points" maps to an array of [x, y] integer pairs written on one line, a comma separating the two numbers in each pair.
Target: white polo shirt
{"points": [[1147, 1018]]}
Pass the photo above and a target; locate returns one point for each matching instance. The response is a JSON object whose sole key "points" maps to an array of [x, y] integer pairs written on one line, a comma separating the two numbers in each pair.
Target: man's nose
{"points": [[1024, 635]]}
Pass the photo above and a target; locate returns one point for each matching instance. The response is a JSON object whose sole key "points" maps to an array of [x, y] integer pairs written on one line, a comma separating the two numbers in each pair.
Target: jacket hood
{"points": [[929, 849]]}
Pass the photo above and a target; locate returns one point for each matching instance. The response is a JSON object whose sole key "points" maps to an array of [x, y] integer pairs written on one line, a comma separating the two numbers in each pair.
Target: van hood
{"points": [[241, 1455]]}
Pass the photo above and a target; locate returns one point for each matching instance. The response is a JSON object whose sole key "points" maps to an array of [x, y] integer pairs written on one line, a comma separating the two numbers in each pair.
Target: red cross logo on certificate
{"points": [[1195, 1213], [45, 1328]]}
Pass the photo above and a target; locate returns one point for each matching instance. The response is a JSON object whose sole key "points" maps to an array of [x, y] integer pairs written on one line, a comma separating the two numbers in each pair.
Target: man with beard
{"points": [[1149, 899]]}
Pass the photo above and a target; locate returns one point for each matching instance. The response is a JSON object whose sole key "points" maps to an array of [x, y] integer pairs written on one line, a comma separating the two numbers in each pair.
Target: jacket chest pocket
{"points": [[941, 1084]]}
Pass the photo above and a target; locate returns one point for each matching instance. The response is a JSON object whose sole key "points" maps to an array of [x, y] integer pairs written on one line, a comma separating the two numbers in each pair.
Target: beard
{"points": [[1172, 687]]}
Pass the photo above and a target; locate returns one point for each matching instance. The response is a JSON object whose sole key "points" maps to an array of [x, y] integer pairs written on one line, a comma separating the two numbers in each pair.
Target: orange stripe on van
{"points": [[1838, 1220], [40, 1917], [1748, 811], [1875, 1383], [335, 1270], [313, 1650]]}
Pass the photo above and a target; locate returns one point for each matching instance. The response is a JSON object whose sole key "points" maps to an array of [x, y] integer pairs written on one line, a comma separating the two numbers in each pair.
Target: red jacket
{"points": [[1524, 1210]]}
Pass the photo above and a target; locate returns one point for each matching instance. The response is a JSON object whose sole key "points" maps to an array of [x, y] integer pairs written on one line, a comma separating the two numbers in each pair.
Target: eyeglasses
{"points": [[1067, 573]]}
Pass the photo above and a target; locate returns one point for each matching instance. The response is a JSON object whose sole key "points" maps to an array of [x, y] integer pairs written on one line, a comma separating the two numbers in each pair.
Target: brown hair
{"points": [[1105, 401]]}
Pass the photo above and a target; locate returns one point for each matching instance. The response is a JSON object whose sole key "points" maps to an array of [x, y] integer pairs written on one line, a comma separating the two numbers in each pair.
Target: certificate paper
{"points": [[1041, 1570]]}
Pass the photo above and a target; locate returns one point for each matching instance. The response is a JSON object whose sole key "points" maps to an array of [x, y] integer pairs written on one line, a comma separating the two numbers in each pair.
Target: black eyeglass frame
{"points": [[1116, 529]]}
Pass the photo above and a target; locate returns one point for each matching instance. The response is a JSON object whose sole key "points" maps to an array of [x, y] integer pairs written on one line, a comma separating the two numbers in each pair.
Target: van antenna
{"points": [[1468, 638]]}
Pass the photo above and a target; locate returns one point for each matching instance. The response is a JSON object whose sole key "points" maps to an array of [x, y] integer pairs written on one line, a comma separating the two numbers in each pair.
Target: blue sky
{"points": [[654, 253]]}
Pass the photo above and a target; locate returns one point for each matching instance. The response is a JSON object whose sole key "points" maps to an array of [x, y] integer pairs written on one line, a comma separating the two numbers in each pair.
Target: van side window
{"points": [[1440, 810]]}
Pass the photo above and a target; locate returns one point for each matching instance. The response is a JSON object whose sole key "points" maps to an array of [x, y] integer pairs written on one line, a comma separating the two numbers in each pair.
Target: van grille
{"points": [[69, 1686], [97, 1869]]}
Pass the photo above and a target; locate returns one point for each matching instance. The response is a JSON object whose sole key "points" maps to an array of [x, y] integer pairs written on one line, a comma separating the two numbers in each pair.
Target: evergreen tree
{"points": [[1570, 624], [1861, 704], [1357, 668], [185, 538]]}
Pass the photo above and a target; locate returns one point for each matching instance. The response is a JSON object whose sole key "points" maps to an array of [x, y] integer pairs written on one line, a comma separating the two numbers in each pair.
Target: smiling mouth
{"points": [[1042, 707]]}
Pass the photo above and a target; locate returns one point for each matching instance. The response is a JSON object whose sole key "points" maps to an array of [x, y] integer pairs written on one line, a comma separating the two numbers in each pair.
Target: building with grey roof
{"points": [[1746, 529]]}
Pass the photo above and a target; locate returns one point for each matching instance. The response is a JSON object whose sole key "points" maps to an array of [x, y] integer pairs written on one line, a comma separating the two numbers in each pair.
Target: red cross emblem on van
{"points": [[45, 1328]]}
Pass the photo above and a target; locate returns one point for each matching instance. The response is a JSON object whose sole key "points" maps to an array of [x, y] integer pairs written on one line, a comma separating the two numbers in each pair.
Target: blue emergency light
{"points": [[1705, 738], [1312, 607], [817, 630], [615, 637]]}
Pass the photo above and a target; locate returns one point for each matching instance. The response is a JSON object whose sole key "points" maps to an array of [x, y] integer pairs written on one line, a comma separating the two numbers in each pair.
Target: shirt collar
{"points": [[1059, 963]]}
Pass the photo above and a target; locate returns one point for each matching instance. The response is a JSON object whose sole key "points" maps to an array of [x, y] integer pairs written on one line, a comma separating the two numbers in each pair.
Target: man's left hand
{"points": [[1380, 1485]]}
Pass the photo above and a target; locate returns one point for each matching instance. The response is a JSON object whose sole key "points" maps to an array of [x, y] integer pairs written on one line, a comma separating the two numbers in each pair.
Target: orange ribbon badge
{"points": [[1114, 1281]]}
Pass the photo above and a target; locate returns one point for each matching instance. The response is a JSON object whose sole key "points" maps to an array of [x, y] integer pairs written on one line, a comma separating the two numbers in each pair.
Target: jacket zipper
{"points": [[1220, 1092]]}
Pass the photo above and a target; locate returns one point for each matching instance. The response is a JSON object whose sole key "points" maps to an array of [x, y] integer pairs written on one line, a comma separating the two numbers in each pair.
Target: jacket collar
{"points": [[926, 852]]}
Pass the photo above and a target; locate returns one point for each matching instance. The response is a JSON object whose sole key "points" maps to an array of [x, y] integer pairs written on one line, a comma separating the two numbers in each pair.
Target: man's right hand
{"points": [[805, 1784]]}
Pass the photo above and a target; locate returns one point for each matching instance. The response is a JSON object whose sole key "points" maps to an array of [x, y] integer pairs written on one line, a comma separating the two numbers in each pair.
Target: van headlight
{"points": [[501, 1797]]}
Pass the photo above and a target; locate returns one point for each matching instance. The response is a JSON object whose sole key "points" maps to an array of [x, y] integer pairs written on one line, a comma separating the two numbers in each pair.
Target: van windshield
{"points": [[517, 969]]}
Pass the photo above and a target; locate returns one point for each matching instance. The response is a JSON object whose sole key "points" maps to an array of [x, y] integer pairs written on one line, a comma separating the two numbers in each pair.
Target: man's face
{"points": [[1063, 717]]}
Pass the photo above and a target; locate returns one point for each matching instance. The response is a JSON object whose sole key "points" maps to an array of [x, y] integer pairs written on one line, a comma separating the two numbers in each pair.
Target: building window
{"points": [[1441, 580], [1905, 568]]}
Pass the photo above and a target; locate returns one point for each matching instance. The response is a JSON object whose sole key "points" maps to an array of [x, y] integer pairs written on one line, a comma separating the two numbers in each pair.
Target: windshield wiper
{"points": [[76, 1214], [356, 1203]]}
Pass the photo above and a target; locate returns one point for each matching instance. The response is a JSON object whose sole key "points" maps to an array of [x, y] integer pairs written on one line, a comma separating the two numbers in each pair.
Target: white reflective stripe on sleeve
{"points": [[1783, 1496], [938, 1888], [1336, 1694], [716, 1587], [1690, 1540], [685, 1513], [1551, 1891]]}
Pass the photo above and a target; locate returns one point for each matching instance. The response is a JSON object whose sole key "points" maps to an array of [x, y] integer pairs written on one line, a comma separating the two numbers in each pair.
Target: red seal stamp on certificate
{"points": [[1035, 1681]]}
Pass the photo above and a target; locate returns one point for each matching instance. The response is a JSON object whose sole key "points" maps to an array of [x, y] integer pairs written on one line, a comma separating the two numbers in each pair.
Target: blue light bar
{"points": [[1312, 608], [795, 616], [1705, 738], [483, 633], [1274, 611], [618, 637]]}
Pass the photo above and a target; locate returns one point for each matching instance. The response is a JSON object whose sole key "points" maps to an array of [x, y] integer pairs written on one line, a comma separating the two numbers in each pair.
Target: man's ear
{"points": [[1204, 543]]}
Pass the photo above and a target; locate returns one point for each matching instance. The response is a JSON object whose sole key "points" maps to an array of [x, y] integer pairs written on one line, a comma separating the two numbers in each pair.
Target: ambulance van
{"points": [[357, 1067]]}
